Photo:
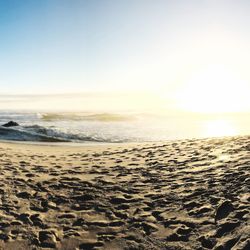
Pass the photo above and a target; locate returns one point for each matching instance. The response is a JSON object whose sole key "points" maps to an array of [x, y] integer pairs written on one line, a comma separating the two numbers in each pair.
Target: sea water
{"points": [[115, 127]]}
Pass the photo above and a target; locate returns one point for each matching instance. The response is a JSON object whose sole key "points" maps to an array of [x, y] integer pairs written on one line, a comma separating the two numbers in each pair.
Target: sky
{"points": [[163, 54]]}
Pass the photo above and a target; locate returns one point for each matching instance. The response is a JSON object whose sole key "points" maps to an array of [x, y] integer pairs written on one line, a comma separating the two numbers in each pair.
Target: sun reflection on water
{"points": [[219, 127]]}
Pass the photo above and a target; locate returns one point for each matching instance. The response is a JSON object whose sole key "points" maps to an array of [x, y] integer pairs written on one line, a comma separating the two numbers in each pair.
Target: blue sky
{"points": [[42, 45], [162, 47]]}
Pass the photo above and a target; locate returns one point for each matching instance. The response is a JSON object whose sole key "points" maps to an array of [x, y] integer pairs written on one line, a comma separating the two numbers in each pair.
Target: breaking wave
{"points": [[102, 117], [42, 134]]}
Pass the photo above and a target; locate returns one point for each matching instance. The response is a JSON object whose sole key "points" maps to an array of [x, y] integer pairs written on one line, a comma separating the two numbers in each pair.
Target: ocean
{"points": [[84, 127]]}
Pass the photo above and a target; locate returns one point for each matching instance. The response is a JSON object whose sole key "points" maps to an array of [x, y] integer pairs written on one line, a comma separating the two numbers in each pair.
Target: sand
{"points": [[191, 194]]}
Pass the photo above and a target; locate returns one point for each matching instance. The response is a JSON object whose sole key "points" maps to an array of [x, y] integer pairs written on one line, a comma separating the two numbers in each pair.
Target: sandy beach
{"points": [[190, 194]]}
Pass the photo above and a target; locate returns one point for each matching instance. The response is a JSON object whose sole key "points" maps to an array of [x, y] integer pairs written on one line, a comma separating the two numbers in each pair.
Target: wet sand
{"points": [[191, 194]]}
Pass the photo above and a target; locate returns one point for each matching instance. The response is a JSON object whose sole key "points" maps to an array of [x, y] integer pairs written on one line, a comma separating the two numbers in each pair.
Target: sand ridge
{"points": [[190, 194]]}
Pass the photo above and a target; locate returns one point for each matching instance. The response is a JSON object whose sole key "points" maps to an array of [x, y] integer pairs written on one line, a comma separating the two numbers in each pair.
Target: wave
{"points": [[102, 117], [21, 135], [41, 134]]}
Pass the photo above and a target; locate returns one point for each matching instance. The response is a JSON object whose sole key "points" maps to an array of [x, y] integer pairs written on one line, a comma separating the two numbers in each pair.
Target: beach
{"points": [[185, 194]]}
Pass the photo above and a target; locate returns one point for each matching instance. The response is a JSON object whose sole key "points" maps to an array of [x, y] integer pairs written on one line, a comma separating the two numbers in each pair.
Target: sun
{"points": [[214, 90]]}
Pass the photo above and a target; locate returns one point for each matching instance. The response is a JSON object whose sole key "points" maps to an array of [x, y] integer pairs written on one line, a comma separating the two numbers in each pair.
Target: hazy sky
{"points": [[183, 53]]}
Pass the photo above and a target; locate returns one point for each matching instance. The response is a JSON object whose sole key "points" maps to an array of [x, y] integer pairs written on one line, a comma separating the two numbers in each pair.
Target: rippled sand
{"points": [[191, 194]]}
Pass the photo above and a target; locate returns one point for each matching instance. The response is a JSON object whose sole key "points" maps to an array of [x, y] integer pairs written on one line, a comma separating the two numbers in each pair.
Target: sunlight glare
{"points": [[214, 90], [219, 127]]}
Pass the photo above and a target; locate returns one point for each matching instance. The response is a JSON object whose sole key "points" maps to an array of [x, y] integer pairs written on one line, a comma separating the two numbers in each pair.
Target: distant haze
{"points": [[86, 102]]}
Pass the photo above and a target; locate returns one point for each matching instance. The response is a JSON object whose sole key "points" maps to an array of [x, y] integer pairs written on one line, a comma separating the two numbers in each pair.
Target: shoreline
{"points": [[94, 143]]}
